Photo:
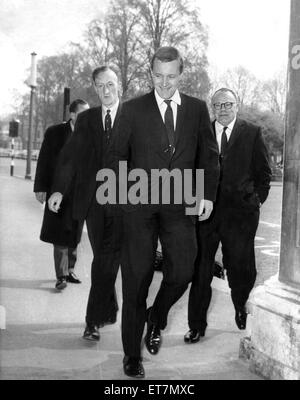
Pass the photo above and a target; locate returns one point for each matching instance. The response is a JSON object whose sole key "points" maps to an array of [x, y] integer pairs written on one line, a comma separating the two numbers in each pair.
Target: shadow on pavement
{"points": [[29, 284]]}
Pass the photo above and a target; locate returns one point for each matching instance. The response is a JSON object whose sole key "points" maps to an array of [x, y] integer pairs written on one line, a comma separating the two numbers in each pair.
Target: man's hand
{"points": [[55, 201], [205, 209], [41, 197]]}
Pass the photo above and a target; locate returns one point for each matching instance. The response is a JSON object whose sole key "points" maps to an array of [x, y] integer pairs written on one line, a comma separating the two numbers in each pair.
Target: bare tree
{"points": [[124, 30], [132, 30], [274, 92], [245, 84]]}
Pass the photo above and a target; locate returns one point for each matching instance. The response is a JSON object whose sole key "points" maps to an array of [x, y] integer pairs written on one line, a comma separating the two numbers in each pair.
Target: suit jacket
{"points": [[82, 158], [59, 229], [245, 170], [142, 139]]}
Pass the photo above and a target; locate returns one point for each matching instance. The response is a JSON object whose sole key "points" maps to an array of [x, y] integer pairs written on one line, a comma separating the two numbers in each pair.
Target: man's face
{"points": [[106, 85], [166, 77], [80, 108], [225, 107]]}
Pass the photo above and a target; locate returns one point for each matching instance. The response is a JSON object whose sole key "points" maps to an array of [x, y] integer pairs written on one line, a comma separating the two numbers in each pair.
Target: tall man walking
{"points": [[168, 130], [244, 186], [82, 158]]}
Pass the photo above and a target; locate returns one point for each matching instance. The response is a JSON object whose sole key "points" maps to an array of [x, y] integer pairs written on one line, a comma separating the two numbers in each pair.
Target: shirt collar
{"points": [[176, 98], [113, 109], [230, 126], [72, 125]]}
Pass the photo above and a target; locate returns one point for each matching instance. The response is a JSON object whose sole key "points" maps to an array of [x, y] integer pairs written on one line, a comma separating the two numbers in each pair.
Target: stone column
{"points": [[273, 345]]}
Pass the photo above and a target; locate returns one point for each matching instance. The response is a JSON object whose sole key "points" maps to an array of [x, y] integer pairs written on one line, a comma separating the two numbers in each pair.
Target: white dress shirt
{"points": [[219, 130], [113, 113], [175, 101]]}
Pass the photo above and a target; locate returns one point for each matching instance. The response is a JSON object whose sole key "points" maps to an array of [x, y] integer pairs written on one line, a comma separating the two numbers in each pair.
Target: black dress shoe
{"points": [[61, 283], [133, 367], [91, 333], [219, 270], [194, 335], [153, 339], [241, 319], [72, 278]]}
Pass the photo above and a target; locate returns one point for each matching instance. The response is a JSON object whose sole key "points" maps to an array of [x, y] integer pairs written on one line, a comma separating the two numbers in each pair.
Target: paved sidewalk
{"points": [[42, 339]]}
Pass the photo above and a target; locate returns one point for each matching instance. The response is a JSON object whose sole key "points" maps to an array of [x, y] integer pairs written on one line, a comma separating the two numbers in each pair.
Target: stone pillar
{"points": [[273, 345]]}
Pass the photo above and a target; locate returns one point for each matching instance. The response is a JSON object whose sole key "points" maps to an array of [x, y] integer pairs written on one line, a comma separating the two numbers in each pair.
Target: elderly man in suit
{"points": [[164, 129], [59, 229], [81, 159], [244, 186]]}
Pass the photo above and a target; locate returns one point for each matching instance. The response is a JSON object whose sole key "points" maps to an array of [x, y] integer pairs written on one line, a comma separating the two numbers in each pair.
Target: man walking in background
{"points": [[59, 229], [244, 186], [80, 160]]}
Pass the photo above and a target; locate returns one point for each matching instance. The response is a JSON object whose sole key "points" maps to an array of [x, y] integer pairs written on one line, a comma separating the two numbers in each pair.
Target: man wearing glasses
{"points": [[244, 185]]}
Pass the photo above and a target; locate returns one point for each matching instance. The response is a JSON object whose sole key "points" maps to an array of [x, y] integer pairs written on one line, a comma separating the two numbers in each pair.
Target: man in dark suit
{"points": [[81, 159], [59, 229], [167, 130], [244, 186]]}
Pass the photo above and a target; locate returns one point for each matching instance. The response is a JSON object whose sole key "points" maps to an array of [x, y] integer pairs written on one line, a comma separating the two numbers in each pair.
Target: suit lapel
{"points": [[96, 127], [238, 126], [159, 137], [116, 117], [214, 128], [181, 110]]}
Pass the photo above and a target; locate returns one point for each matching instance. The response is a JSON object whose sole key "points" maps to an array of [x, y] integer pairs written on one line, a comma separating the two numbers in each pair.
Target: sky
{"points": [[253, 34]]}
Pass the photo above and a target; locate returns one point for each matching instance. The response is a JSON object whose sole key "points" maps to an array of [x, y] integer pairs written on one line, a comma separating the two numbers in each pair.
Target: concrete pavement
{"points": [[42, 339]]}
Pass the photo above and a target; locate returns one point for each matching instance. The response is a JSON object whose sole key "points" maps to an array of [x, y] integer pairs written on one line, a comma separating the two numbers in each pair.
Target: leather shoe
{"points": [[153, 339], [72, 278], [193, 335], [133, 367], [61, 283], [241, 319], [91, 333]]}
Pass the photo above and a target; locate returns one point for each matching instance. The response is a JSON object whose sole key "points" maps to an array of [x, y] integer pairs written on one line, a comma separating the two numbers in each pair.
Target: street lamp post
{"points": [[32, 84]]}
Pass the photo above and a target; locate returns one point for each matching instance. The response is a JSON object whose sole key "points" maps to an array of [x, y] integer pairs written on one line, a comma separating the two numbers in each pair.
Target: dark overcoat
{"points": [[60, 229]]}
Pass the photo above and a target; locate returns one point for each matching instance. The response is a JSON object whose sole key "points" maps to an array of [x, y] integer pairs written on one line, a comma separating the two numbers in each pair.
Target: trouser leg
{"points": [[140, 242], [178, 239], [237, 237], [105, 235], [60, 260], [200, 291], [72, 258]]}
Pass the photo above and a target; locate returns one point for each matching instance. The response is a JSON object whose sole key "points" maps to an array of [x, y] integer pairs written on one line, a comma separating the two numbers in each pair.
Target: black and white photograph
{"points": [[150, 193]]}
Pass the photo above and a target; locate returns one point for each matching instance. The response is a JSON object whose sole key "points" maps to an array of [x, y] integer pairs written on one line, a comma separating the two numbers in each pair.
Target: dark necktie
{"points": [[223, 141], [107, 123], [169, 123]]}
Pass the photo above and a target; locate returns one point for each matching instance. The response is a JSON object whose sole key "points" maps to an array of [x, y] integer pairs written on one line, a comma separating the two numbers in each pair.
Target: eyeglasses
{"points": [[228, 105]]}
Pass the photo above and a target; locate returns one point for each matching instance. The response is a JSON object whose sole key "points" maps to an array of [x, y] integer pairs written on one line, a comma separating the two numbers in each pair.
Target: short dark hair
{"points": [[101, 69], [74, 105], [167, 54], [224, 90]]}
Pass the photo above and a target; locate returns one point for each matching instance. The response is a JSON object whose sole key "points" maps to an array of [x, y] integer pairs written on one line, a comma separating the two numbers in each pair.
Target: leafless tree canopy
{"points": [[125, 37]]}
